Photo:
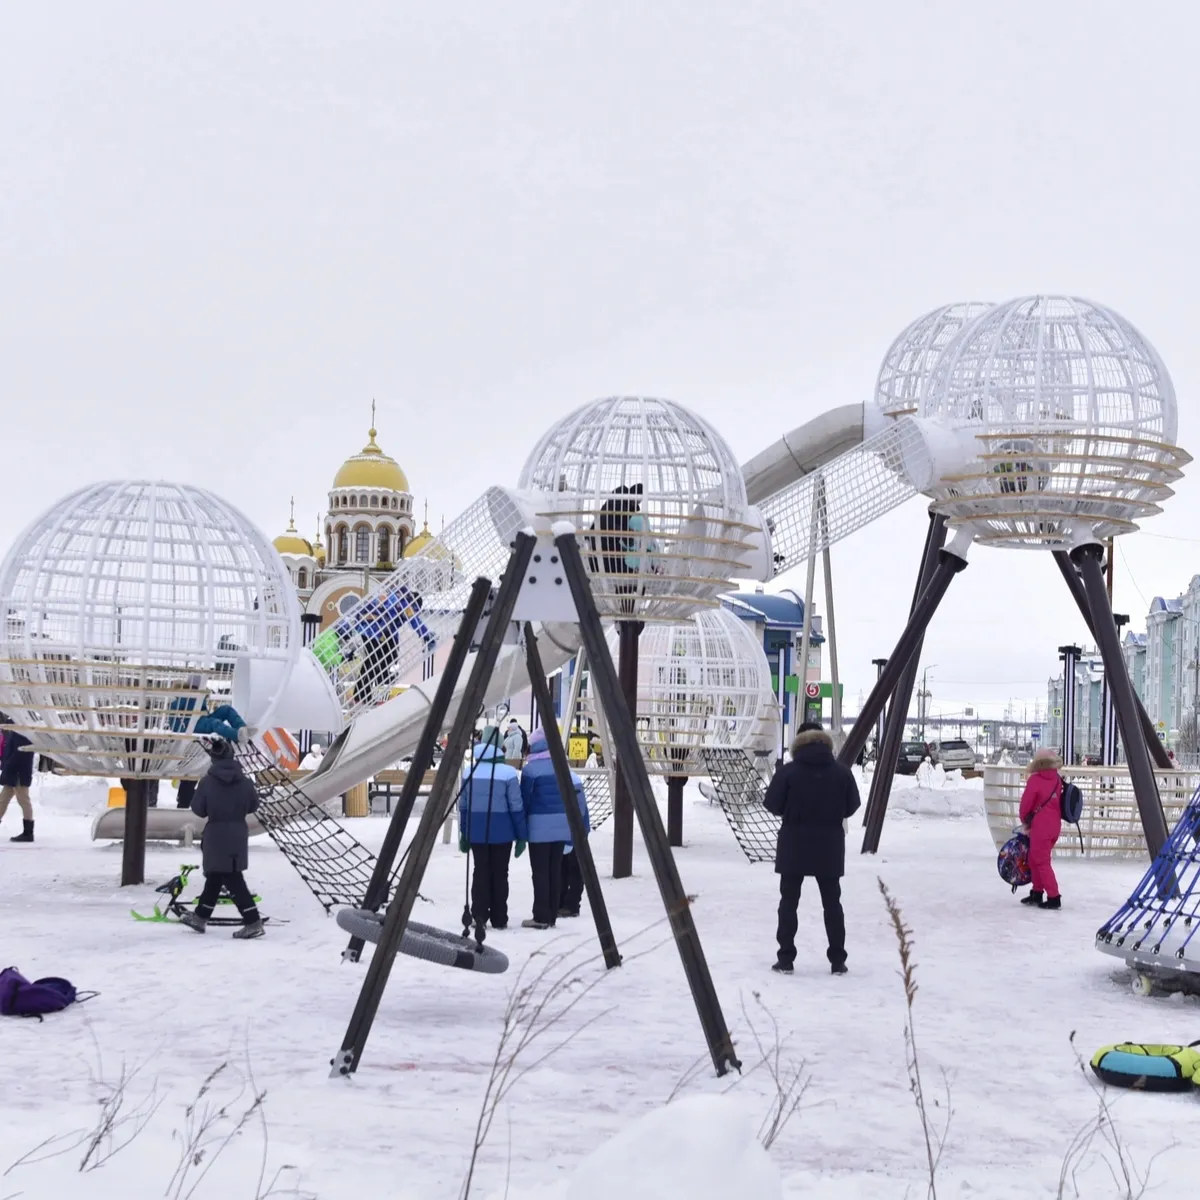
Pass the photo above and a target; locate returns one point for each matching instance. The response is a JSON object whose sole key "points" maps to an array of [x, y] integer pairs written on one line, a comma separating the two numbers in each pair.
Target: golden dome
{"points": [[290, 541], [371, 468], [419, 542]]}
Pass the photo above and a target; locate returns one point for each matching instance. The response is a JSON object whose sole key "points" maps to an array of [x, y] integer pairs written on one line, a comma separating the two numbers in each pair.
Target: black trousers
{"points": [[235, 883], [789, 922], [571, 895], [489, 884], [545, 860]]}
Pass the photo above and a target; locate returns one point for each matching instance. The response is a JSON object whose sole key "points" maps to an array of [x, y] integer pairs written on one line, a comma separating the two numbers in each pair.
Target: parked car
{"points": [[954, 755], [912, 755]]}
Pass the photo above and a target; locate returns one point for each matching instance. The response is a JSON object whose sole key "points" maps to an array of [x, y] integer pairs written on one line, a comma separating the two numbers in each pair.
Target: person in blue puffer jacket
{"points": [[491, 817], [549, 833]]}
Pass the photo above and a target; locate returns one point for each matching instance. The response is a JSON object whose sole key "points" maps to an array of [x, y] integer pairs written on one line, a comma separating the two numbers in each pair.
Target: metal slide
{"points": [[816, 485]]}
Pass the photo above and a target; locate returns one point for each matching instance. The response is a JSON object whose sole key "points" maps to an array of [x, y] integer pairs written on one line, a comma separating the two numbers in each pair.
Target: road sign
{"points": [[1162, 735], [1035, 735], [812, 691], [1057, 712], [985, 729]]}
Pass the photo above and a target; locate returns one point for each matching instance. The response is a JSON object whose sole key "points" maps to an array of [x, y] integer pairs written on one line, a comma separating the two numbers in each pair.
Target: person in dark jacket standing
{"points": [[16, 777], [226, 797], [813, 794]]}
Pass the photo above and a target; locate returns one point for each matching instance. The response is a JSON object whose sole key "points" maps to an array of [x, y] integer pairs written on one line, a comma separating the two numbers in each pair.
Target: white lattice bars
{"points": [[853, 490], [124, 605], [702, 683], [659, 501], [1065, 419], [1111, 826], [389, 638]]}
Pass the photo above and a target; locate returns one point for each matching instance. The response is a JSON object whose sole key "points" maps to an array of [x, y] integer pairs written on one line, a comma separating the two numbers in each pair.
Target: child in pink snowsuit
{"points": [[1041, 819]]}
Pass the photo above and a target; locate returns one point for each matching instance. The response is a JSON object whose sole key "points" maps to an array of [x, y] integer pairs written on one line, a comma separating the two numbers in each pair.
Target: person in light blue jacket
{"points": [[549, 833], [491, 817]]}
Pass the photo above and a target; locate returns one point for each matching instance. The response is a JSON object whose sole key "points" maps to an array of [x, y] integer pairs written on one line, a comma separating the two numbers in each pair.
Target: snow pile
{"points": [[702, 1147], [73, 795]]}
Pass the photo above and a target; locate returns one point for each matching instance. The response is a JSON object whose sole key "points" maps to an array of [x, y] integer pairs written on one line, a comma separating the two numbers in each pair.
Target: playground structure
{"points": [[1154, 931], [1045, 423], [125, 602], [703, 682]]}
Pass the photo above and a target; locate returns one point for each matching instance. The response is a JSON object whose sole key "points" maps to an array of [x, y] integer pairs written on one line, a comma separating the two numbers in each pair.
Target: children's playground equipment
{"points": [[1155, 931], [162, 825], [701, 683], [1044, 423], [545, 578], [126, 603]]}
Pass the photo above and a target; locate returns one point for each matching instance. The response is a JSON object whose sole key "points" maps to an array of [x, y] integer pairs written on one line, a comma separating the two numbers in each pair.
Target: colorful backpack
{"points": [[1013, 861], [20, 998]]}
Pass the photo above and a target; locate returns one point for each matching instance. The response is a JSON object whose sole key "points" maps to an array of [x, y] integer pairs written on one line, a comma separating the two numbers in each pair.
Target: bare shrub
{"points": [[1100, 1138], [935, 1139]]}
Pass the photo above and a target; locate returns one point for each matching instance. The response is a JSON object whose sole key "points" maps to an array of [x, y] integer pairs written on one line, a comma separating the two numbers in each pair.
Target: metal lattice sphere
{"points": [[658, 498], [703, 683], [123, 604], [1067, 415], [913, 355]]}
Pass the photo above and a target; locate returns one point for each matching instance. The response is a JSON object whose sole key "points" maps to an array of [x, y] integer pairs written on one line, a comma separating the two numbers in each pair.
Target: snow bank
{"points": [[67, 794], [702, 1147]]}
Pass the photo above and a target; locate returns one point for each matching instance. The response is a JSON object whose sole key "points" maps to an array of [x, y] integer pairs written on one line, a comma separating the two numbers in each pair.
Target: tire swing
{"points": [[1149, 1068], [427, 942]]}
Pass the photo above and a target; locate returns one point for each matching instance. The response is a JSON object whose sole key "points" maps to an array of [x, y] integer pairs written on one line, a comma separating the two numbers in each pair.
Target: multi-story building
{"points": [[1161, 688], [1089, 706]]}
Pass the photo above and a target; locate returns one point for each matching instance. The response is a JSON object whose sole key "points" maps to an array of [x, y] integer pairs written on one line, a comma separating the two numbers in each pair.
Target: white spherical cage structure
{"points": [[910, 359], [658, 499], [123, 604], [702, 683], [1066, 423]]}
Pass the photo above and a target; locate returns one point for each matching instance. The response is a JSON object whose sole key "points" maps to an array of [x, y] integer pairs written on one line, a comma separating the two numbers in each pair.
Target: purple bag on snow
{"points": [[20, 998]]}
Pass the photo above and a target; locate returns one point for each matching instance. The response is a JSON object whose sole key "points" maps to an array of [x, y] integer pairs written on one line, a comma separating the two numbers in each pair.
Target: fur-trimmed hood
{"points": [[1045, 760], [812, 737]]}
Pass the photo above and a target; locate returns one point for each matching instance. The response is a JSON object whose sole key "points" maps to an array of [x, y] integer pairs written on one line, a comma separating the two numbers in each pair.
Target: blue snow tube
{"points": [[424, 941], [1149, 1068]]}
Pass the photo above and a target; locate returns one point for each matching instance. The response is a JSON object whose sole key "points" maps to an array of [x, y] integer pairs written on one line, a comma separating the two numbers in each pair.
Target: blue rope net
{"points": [[1156, 927], [740, 789]]}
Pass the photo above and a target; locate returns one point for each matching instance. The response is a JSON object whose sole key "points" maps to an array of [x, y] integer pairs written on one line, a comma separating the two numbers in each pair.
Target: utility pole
{"points": [[878, 664]]}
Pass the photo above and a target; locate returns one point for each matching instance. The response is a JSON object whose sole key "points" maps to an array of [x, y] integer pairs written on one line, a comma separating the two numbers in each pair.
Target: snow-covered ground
{"points": [[1001, 989]]}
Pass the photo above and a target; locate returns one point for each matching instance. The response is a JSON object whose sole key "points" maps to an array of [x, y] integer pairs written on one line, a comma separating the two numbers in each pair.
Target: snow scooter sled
{"points": [[176, 907]]}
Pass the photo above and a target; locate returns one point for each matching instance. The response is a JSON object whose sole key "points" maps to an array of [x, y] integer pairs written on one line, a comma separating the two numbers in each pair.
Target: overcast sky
{"points": [[224, 228]]}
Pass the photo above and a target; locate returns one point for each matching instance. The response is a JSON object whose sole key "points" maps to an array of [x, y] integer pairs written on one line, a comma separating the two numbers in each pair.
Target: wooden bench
{"points": [[387, 785]]}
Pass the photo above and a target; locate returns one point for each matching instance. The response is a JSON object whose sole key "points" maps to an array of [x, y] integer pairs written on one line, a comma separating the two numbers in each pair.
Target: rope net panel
{"points": [[1158, 924], [740, 790], [598, 789], [335, 866]]}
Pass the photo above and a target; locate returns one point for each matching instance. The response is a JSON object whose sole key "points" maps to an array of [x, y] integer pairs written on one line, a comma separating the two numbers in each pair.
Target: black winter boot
{"points": [[1034, 898], [1052, 902], [26, 835]]}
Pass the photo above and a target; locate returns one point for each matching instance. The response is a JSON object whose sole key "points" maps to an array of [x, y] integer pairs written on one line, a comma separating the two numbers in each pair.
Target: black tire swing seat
{"points": [[427, 942]]}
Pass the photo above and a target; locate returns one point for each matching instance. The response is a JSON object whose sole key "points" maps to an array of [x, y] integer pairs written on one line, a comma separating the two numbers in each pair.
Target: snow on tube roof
{"points": [[1147, 1068], [425, 941]]}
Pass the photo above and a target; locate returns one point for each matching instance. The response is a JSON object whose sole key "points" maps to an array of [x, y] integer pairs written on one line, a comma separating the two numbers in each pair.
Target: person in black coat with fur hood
{"points": [[813, 794], [226, 797]]}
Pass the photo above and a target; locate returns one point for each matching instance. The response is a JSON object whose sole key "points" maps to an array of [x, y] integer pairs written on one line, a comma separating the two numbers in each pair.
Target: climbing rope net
{"points": [[335, 866], [740, 788], [1158, 924]]}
